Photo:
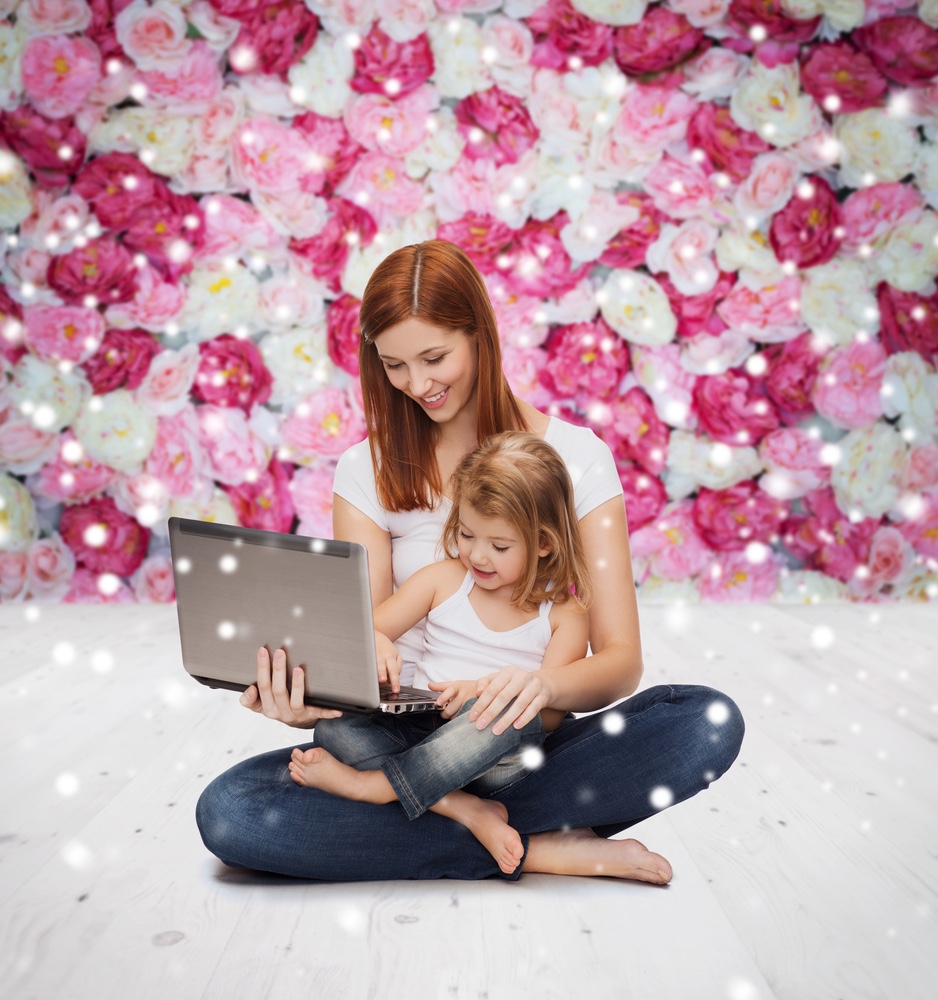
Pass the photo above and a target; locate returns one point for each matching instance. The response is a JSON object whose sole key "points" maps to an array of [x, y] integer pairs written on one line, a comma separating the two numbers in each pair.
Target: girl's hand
{"points": [[453, 695], [269, 696], [512, 696], [389, 662]]}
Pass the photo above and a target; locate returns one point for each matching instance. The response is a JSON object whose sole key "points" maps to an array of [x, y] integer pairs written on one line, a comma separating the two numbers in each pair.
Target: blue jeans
{"points": [[424, 757], [600, 771]]}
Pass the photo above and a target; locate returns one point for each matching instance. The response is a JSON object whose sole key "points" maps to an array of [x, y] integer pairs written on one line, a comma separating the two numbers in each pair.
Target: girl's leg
{"points": [[606, 771]]}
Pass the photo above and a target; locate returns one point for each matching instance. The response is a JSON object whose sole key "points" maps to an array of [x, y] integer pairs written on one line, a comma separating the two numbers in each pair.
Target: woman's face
{"points": [[436, 367]]}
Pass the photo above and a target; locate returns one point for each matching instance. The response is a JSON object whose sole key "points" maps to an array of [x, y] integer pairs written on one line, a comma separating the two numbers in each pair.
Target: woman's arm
{"points": [[349, 524], [615, 668]]}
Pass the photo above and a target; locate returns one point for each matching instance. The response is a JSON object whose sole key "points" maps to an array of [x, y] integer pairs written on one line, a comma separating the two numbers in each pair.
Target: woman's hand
{"points": [[270, 697], [453, 695], [513, 696], [389, 662]]}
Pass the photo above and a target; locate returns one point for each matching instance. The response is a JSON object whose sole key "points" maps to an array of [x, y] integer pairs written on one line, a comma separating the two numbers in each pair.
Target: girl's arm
{"points": [[411, 601], [615, 668]]}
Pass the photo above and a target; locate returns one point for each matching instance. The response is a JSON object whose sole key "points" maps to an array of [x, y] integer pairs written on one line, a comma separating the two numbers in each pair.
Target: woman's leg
{"points": [[606, 771]]}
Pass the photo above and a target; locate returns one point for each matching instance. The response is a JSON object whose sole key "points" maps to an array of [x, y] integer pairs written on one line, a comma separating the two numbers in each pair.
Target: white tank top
{"points": [[458, 647]]}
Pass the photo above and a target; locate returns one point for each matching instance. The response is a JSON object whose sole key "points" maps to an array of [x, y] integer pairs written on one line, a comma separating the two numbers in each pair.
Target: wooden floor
{"points": [[810, 871]]}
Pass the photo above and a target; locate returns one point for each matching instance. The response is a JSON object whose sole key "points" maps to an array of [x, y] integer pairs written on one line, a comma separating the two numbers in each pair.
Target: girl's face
{"points": [[491, 549], [436, 367]]}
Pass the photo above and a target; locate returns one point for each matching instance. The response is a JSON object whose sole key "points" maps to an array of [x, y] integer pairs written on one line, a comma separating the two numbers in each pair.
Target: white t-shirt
{"points": [[416, 534]]}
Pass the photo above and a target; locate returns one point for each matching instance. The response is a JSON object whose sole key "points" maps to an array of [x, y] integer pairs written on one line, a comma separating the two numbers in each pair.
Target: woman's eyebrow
{"points": [[429, 350]]}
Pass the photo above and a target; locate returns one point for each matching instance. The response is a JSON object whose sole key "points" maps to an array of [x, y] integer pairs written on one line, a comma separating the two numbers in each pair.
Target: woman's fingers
{"points": [[512, 696]]}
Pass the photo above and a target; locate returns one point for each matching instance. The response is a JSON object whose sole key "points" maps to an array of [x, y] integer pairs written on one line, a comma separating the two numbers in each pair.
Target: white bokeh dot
{"points": [[63, 653], [661, 797], [67, 784], [228, 564], [226, 630], [76, 855], [102, 661], [718, 712], [822, 637], [613, 723], [532, 758]]}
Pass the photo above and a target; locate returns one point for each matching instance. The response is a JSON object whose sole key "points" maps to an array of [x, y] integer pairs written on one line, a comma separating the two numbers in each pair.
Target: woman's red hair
{"points": [[435, 282]]}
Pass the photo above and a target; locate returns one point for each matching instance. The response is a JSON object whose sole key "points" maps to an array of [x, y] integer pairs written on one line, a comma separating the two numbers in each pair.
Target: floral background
{"points": [[708, 228]]}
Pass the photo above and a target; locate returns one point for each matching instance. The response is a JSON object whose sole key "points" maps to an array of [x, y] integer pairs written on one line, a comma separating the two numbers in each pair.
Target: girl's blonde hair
{"points": [[520, 478], [436, 282]]}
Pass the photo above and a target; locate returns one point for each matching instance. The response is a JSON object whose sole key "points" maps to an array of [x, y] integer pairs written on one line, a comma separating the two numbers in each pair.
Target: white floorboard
{"points": [[809, 872]]}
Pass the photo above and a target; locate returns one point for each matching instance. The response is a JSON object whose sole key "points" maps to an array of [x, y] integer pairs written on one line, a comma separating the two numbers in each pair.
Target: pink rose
{"points": [[89, 588], [384, 66], [635, 432], [102, 28], [496, 126], [275, 34], [49, 569], [769, 314], [394, 126], [116, 185], [311, 490], [585, 360], [11, 328], [102, 270], [102, 538], [847, 391], [922, 531], [653, 118], [71, 476], [153, 35], [381, 183], [628, 247], [725, 146], [790, 376], [808, 230], [155, 306], [522, 367], [792, 459], [196, 82], [566, 39], [235, 228], [24, 447], [903, 48], [681, 190], [52, 148], [732, 410], [327, 253], [343, 334], [728, 520], [483, 238], [176, 459], [747, 14], [714, 73], [871, 214], [122, 360], [891, 558], [54, 17], [265, 503], [827, 539], [645, 496], [168, 230], [59, 72], [841, 79], [335, 149], [908, 321], [165, 387], [672, 545], [12, 576], [57, 222], [234, 452], [153, 583], [538, 263], [920, 473], [661, 40], [696, 314], [473, 182], [270, 156], [769, 186], [231, 373], [734, 577], [325, 423], [684, 255], [63, 333]]}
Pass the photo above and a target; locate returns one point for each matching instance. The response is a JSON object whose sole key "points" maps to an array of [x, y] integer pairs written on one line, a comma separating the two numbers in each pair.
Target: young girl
{"points": [[516, 594]]}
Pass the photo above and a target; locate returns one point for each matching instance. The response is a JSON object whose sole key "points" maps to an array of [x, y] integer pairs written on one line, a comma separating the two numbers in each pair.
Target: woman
{"points": [[433, 388]]}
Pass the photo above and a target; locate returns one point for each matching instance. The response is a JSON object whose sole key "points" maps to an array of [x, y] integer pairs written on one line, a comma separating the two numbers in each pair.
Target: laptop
{"points": [[238, 589]]}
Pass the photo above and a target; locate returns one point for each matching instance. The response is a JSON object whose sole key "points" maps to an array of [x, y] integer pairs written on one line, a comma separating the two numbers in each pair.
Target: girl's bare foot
{"points": [[317, 768], [581, 852], [487, 821]]}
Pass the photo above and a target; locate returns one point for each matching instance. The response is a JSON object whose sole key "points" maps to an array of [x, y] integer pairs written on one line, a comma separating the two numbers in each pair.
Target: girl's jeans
{"points": [[424, 757], [599, 771]]}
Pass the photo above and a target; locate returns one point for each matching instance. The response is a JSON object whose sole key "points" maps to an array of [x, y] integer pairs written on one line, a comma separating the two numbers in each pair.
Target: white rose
{"points": [[50, 397], [218, 32], [116, 430], [809, 586], [556, 113], [866, 476], [404, 20], [13, 38], [697, 461], [683, 253], [165, 387], [163, 141], [769, 101], [921, 585], [747, 251], [362, 261], [585, 237], [513, 187], [18, 525], [636, 307], [844, 15], [617, 12], [16, 191], [928, 12], [457, 44], [874, 147], [265, 94], [299, 363], [838, 301], [292, 299], [767, 189], [714, 74], [507, 47], [295, 213], [221, 300], [153, 35], [54, 17], [910, 392], [217, 508], [701, 13], [926, 171], [706, 354], [908, 259], [320, 80], [439, 149], [659, 371]]}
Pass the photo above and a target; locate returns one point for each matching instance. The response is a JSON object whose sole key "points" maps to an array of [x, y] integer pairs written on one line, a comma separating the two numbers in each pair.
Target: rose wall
{"points": [[708, 228]]}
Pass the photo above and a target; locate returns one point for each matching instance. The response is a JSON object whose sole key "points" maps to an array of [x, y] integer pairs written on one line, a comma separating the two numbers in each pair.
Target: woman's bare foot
{"points": [[317, 768], [581, 852], [487, 821]]}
